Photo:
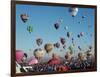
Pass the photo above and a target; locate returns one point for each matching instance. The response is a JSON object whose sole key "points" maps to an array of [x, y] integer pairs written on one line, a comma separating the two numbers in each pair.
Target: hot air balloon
{"points": [[48, 47], [63, 41], [79, 48], [39, 53], [19, 55], [55, 59], [60, 20], [81, 33], [39, 41], [81, 56], [79, 22], [30, 29], [90, 47], [89, 53], [83, 17], [68, 34], [56, 25], [73, 11], [71, 48], [24, 17], [57, 45], [78, 36], [66, 27], [72, 39], [32, 61], [68, 56], [64, 46]]}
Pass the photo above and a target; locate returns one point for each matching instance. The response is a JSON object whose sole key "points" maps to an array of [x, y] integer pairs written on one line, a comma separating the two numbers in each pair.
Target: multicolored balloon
{"points": [[63, 41], [39, 41], [24, 17], [32, 61], [73, 11], [48, 47], [39, 53], [57, 45], [81, 33]]}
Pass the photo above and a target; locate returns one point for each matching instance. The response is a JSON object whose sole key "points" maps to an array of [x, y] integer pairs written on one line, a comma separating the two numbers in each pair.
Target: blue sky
{"points": [[42, 19]]}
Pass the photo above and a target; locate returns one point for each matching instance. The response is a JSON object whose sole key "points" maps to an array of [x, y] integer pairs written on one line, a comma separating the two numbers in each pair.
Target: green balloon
{"points": [[71, 48], [30, 29]]}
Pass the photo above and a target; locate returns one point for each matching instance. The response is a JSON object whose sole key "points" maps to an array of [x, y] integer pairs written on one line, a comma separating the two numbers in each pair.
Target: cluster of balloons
{"points": [[24, 18], [39, 53]]}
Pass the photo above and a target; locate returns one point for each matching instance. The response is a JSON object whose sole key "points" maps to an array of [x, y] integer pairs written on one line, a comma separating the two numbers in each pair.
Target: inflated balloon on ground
{"points": [[32, 61], [19, 55]]}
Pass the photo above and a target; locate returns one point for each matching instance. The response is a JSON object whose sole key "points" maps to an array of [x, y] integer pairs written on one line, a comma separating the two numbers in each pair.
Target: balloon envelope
{"points": [[78, 36], [24, 17], [39, 41], [66, 28], [55, 59], [79, 48], [68, 34], [48, 47], [19, 55], [33, 61], [56, 25], [81, 33], [73, 11], [39, 53], [57, 45], [71, 48], [30, 29], [63, 40]]}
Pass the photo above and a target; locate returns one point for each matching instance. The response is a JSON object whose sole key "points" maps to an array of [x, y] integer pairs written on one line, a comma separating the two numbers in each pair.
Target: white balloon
{"points": [[66, 28], [74, 11], [39, 53]]}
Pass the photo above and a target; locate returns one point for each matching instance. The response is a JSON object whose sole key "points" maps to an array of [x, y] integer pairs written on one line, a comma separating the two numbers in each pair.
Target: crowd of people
{"points": [[82, 61]]}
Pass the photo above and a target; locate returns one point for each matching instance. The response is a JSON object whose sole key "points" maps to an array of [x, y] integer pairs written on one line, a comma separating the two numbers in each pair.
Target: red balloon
{"points": [[19, 55]]}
